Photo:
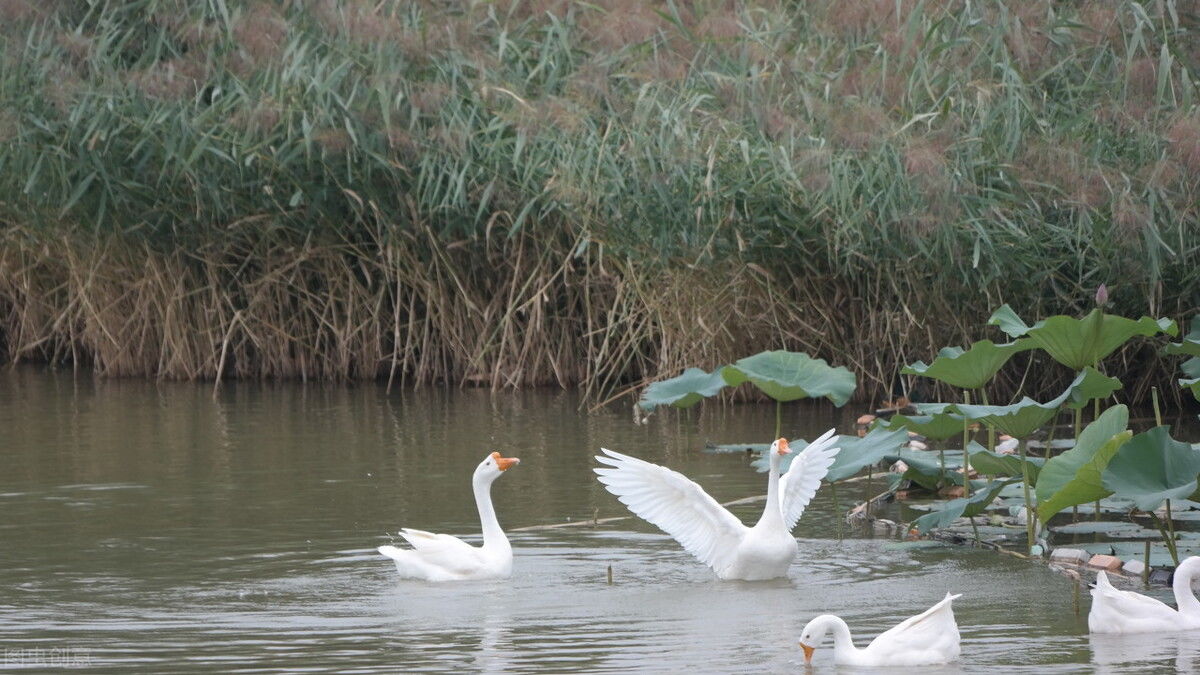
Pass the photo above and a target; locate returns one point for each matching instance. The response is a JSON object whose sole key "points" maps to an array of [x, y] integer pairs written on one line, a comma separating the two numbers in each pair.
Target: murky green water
{"points": [[152, 527]]}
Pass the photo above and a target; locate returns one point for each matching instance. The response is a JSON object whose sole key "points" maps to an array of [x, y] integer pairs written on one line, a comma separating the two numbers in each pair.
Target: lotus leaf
{"points": [[1135, 550], [1121, 529], [1077, 343], [855, 454], [787, 376], [683, 391], [971, 368], [1190, 344], [939, 426], [994, 464], [1022, 418], [1075, 476], [963, 506], [1152, 467], [736, 447]]}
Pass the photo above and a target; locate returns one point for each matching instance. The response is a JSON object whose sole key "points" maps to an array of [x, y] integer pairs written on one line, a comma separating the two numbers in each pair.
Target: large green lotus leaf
{"points": [[1022, 418], [939, 427], [1077, 343], [1191, 367], [1152, 467], [1093, 385], [929, 462], [787, 376], [1075, 476], [971, 368], [683, 391], [855, 454], [1193, 384], [957, 508], [1190, 345], [994, 464]]}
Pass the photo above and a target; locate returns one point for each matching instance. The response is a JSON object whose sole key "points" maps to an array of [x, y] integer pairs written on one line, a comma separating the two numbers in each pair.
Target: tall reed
{"points": [[518, 193]]}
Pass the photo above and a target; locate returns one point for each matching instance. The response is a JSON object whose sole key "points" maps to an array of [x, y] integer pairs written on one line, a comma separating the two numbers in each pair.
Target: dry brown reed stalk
{"points": [[500, 313]]}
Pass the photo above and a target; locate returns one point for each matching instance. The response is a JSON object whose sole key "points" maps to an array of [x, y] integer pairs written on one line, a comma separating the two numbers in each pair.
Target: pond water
{"points": [[155, 527]]}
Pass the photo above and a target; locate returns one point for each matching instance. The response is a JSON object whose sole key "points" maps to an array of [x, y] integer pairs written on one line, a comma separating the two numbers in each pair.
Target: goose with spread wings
{"points": [[707, 530]]}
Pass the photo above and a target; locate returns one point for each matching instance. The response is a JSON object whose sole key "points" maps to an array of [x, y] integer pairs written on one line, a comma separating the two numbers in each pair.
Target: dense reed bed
{"points": [[520, 193]]}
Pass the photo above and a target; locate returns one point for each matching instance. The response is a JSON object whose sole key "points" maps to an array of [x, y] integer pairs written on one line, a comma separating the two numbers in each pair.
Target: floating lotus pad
{"points": [[1077, 343], [1152, 467], [740, 447], [1117, 529], [957, 508], [788, 376], [1135, 550], [1075, 476]]}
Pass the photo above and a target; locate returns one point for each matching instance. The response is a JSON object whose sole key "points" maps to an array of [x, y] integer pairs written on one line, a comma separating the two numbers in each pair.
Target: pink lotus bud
{"points": [[1102, 295]]}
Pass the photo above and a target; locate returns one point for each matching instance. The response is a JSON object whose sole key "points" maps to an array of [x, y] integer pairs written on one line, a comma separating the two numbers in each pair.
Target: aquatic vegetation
{"points": [[971, 368], [781, 375], [682, 391], [1150, 470], [1077, 343], [1084, 472], [1190, 346], [1075, 476]]}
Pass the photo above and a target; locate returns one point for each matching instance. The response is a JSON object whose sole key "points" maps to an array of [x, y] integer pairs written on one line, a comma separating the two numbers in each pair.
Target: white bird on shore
{"points": [[926, 639], [707, 530], [442, 557], [1117, 611]]}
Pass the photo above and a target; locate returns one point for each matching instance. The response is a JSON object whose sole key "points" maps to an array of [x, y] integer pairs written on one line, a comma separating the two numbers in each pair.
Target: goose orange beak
{"points": [[505, 463], [783, 447], [808, 652]]}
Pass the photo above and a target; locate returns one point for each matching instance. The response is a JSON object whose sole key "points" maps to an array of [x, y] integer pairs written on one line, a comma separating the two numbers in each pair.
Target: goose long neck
{"points": [[843, 644], [773, 511], [493, 536], [1185, 599]]}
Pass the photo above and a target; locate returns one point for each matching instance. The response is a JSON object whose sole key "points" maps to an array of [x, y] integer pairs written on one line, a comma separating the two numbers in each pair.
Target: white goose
{"points": [[1116, 611], [441, 557], [708, 530], [929, 638]]}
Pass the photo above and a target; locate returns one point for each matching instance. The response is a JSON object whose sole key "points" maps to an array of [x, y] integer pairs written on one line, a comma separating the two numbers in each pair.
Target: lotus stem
{"points": [[870, 482], [1157, 412], [610, 575], [1075, 594], [1030, 512], [1166, 537], [1146, 567], [837, 510], [966, 455], [1171, 532], [942, 459], [778, 418], [991, 446]]}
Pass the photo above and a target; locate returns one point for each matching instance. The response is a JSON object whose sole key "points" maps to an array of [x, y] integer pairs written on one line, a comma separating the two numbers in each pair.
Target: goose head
{"points": [[778, 449], [493, 465], [813, 635]]}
